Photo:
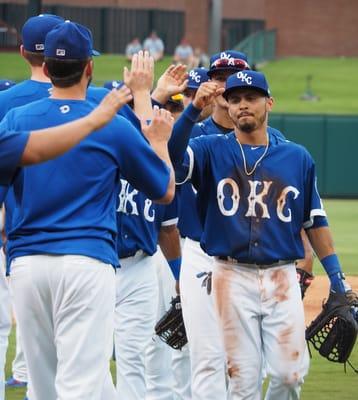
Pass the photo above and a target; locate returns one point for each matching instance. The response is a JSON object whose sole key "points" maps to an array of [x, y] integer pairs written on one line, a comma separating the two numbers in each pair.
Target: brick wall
{"points": [[305, 27], [314, 28]]}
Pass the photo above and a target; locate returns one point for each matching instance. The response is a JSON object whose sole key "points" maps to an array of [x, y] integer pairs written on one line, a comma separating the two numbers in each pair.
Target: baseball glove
{"points": [[304, 279], [170, 328], [334, 332]]}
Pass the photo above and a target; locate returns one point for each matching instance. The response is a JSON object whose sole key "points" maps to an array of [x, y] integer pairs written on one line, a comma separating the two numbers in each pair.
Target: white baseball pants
{"points": [[167, 370], [19, 369], [261, 314], [5, 322], [65, 311], [135, 317], [208, 361]]}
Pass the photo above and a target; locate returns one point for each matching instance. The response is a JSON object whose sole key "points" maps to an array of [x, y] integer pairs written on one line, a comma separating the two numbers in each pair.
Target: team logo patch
{"points": [[224, 55], [244, 78], [39, 47], [195, 76], [65, 109], [60, 52]]}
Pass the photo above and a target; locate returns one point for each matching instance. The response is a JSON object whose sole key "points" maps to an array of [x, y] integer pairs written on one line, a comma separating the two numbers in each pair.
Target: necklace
{"points": [[248, 173]]}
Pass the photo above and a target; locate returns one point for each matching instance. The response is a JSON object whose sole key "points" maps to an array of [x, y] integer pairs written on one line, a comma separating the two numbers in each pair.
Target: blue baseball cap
{"points": [[35, 30], [228, 60], [69, 41], [113, 84], [247, 79], [196, 77], [6, 84]]}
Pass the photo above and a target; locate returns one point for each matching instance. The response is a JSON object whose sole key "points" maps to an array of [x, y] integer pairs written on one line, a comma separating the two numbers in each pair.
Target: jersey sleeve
{"points": [[313, 206], [138, 163], [181, 133], [171, 213], [193, 165], [12, 145]]}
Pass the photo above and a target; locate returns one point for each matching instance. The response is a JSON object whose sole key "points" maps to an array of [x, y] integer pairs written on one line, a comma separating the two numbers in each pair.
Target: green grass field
{"points": [[326, 380], [333, 80]]}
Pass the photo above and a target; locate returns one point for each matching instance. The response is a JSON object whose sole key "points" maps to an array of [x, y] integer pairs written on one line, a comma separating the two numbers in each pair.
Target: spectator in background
{"points": [[200, 59], [154, 45], [184, 53], [132, 48]]}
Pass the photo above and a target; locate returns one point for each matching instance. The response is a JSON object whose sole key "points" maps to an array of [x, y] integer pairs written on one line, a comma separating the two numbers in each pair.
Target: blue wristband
{"points": [[175, 267], [334, 271]]}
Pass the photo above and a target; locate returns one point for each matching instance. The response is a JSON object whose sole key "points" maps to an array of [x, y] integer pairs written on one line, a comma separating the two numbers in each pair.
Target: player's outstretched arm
{"points": [[158, 133], [49, 143], [140, 79], [173, 81]]}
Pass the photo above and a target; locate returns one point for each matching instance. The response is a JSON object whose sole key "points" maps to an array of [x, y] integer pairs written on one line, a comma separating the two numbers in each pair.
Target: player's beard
{"points": [[255, 123]]}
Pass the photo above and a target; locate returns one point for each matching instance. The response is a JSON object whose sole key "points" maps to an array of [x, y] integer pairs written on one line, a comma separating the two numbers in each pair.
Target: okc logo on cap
{"points": [[224, 55], [195, 76], [244, 77]]}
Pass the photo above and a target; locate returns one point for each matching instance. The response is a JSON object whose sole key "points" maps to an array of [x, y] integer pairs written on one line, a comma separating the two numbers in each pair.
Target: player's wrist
{"points": [[175, 266], [335, 274]]}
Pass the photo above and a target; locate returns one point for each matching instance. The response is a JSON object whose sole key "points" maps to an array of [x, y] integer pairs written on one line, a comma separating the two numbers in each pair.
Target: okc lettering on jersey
{"points": [[128, 204], [254, 199]]}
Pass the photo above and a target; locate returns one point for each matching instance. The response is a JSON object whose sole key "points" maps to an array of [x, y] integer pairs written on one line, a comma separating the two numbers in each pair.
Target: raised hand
{"points": [[141, 75], [206, 93], [173, 81], [160, 128]]}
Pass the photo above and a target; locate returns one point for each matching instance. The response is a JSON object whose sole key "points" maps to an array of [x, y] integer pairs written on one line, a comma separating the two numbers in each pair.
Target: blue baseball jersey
{"points": [[68, 205], [139, 221], [23, 93], [255, 218], [12, 145], [189, 223], [96, 94]]}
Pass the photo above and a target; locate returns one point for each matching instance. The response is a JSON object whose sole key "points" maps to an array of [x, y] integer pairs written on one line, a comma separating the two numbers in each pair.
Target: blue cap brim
{"points": [[95, 52], [228, 91]]}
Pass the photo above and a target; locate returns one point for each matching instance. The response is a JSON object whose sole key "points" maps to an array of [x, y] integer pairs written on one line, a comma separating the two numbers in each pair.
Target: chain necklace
{"points": [[248, 173]]}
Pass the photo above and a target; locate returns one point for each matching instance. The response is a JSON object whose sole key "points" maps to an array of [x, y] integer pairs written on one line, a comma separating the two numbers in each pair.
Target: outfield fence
{"points": [[333, 141]]}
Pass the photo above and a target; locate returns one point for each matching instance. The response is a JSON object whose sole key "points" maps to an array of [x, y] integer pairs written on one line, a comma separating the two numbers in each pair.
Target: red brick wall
{"points": [[243, 9], [314, 27], [305, 27]]}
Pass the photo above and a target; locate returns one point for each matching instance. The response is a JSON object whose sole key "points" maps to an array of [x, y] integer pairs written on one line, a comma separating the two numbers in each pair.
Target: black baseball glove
{"points": [[170, 328], [304, 279], [334, 332]]}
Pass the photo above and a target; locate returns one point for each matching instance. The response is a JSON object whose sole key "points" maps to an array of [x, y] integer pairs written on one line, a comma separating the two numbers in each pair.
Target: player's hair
{"points": [[174, 107], [35, 59], [65, 73]]}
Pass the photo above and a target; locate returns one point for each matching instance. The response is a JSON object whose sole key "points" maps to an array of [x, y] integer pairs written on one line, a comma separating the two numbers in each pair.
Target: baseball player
{"points": [[168, 370], [34, 147], [258, 191], [198, 308], [69, 303], [139, 223]]}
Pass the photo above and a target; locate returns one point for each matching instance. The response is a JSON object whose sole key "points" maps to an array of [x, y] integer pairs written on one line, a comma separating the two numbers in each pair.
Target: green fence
{"points": [[333, 142], [112, 28], [259, 47]]}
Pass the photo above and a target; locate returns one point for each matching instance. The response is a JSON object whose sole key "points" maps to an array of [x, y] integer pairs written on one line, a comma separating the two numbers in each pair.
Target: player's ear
{"points": [[269, 103], [22, 51], [45, 69], [89, 68]]}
